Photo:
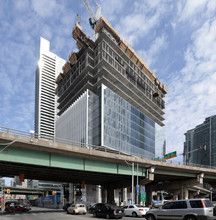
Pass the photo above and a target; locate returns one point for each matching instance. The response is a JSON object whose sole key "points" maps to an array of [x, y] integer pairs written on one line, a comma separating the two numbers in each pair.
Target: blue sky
{"points": [[177, 40]]}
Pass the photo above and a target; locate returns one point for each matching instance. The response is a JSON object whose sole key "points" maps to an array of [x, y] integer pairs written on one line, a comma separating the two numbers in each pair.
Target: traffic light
{"points": [[8, 191], [53, 193], [22, 177]]}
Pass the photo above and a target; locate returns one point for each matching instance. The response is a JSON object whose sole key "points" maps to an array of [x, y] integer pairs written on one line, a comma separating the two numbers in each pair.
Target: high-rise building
{"points": [[200, 143], [49, 66], [108, 96]]}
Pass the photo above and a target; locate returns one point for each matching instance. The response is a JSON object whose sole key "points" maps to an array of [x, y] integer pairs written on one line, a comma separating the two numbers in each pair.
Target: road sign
{"points": [[137, 186], [170, 155], [143, 196], [143, 189]]}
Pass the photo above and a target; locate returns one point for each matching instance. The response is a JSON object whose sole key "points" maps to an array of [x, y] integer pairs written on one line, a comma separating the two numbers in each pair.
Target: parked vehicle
{"points": [[27, 206], [15, 208], [66, 205], [77, 209], [108, 211], [190, 209], [92, 208], [135, 210]]}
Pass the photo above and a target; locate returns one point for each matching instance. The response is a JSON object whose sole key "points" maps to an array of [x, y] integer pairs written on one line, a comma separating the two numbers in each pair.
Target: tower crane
{"points": [[93, 17]]}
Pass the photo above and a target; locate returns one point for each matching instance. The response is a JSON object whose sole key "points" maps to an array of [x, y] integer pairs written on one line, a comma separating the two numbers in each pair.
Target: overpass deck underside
{"points": [[47, 160]]}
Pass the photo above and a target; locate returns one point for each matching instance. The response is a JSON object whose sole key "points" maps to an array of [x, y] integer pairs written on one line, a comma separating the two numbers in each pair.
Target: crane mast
{"points": [[93, 18]]}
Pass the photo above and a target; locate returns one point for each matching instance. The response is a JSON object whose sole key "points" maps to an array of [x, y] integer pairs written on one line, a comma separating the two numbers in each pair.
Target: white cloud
{"points": [[21, 5], [150, 55], [205, 44], [142, 18], [191, 93], [192, 11], [111, 9], [44, 8], [191, 7]]}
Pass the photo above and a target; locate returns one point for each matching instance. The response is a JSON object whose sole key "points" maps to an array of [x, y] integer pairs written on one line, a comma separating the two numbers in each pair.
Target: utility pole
{"points": [[137, 185], [132, 183]]}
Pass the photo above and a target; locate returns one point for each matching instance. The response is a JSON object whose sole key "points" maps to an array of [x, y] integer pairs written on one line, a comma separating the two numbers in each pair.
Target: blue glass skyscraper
{"points": [[107, 96]]}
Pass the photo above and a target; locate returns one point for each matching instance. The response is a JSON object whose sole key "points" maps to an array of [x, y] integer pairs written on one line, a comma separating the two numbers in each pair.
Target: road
{"points": [[51, 214]]}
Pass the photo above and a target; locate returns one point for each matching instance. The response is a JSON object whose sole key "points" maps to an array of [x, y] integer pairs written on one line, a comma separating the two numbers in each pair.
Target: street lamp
{"points": [[132, 192]]}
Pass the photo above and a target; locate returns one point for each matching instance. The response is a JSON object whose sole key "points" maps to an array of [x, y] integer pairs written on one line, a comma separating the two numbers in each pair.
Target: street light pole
{"points": [[132, 183], [137, 184]]}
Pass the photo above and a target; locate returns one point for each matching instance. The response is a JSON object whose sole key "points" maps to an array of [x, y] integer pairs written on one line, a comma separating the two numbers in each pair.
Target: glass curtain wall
{"points": [[71, 125], [124, 127], [81, 121]]}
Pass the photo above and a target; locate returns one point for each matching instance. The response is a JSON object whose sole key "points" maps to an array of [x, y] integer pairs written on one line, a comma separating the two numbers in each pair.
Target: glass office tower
{"points": [[124, 127], [107, 96], [200, 143], [107, 119]]}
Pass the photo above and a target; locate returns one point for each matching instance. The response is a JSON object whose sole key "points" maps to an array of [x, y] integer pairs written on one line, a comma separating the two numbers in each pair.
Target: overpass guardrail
{"points": [[89, 146]]}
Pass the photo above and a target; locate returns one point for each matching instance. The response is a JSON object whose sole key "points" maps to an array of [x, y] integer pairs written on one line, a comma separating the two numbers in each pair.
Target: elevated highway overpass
{"points": [[48, 160]]}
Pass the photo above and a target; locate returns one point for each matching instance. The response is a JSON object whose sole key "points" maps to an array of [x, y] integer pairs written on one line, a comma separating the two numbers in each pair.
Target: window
{"points": [[180, 205], [208, 203], [169, 205], [196, 204]]}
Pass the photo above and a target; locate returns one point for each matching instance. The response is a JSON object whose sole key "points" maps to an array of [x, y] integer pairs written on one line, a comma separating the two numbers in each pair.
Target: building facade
{"points": [[49, 66], [107, 96], [200, 143]]}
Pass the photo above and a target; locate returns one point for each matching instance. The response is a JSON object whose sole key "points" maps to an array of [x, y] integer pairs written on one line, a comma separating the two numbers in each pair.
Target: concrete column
{"points": [[182, 192], [110, 195], [98, 194], [71, 192], [84, 193], [185, 193], [149, 196], [175, 195], [104, 199], [125, 198]]}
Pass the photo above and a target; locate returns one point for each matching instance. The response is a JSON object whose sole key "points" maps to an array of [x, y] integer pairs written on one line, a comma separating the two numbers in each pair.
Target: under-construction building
{"points": [[107, 95]]}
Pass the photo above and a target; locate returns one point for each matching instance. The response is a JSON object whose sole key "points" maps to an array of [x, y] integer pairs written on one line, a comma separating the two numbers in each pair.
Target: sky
{"points": [[176, 39]]}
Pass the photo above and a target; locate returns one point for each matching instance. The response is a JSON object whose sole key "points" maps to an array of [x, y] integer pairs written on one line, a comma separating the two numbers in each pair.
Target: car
{"points": [[108, 211], [66, 205], [92, 208], [26, 206], [189, 209], [77, 209], [135, 210], [15, 208]]}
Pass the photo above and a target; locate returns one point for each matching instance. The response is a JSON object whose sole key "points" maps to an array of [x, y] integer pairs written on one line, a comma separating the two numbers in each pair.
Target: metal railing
{"points": [[32, 135]]}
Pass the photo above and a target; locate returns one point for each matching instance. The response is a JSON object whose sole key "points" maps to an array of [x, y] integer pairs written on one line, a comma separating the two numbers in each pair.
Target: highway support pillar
{"points": [[104, 195], [182, 192], [71, 192], [185, 192], [175, 195], [98, 194], [125, 199], [84, 193], [149, 195], [110, 195]]}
